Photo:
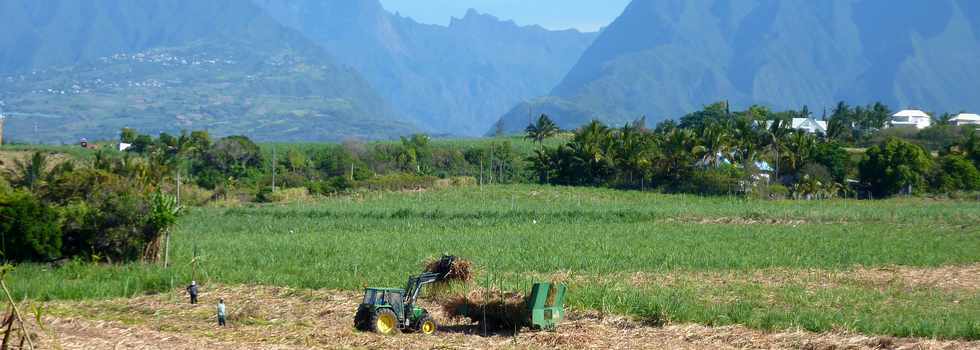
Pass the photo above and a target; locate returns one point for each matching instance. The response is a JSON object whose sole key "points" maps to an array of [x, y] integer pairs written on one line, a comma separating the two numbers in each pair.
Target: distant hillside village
{"points": [[908, 118]]}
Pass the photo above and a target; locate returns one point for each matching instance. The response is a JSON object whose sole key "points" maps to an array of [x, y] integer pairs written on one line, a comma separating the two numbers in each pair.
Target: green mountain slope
{"points": [[455, 79], [664, 58], [76, 69]]}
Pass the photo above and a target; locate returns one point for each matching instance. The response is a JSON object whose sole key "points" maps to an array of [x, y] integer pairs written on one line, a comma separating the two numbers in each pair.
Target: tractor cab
{"points": [[384, 298]]}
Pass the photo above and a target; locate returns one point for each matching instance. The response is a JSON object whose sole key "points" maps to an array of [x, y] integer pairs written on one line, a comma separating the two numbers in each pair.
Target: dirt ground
{"points": [[282, 318]]}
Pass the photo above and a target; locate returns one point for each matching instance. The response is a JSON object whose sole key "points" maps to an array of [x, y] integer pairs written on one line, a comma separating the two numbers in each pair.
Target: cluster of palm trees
{"points": [[742, 145]]}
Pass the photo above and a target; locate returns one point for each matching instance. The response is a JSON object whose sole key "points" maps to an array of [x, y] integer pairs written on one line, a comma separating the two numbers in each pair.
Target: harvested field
{"points": [[281, 318]]}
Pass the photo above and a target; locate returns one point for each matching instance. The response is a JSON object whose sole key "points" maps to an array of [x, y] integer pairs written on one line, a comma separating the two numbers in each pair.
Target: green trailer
{"points": [[546, 305]]}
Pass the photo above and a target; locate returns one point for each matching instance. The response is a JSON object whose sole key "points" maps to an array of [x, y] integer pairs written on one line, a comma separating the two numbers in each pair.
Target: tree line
{"points": [[757, 151]]}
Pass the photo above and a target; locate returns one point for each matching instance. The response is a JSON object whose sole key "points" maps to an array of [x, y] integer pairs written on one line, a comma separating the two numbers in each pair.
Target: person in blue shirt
{"points": [[221, 312]]}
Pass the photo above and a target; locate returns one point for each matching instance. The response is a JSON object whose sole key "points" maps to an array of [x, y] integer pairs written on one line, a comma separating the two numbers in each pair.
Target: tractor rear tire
{"points": [[427, 325], [384, 322], [362, 321]]}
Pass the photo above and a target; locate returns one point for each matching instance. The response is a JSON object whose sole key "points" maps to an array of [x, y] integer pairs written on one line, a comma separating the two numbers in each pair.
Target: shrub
{"points": [[713, 181], [210, 178], [104, 214], [956, 173], [29, 228], [334, 185], [895, 166]]}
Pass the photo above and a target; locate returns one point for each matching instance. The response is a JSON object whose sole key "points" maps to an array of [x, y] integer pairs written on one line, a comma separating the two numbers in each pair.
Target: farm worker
{"points": [[192, 291], [221, 312]]}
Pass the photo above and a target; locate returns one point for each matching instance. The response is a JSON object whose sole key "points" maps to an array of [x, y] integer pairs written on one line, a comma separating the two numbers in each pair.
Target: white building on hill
{"points": [[911, 118], [965, 119], [810, 125]]}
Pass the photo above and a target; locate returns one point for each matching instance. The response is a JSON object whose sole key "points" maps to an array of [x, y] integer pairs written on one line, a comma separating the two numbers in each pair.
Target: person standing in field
{"points": [[221, 312], [192, 291]]}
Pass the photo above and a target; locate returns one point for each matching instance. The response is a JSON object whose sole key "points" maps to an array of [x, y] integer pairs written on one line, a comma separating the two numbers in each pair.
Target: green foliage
{"points": [[854, 125], [956, 173], [104, 214], [331, 186], [128, 135], [834, 158], [29, 229], [233, 156], [542, 130], [335, 161], [31, 173], [163, 213], [937, 137], [715, 181], [894, 167], [141, 144]]}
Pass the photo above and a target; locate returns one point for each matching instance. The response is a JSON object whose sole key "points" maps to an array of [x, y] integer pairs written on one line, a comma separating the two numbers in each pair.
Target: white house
{"points": [[911, 118], [810, 125], [965, 119]]}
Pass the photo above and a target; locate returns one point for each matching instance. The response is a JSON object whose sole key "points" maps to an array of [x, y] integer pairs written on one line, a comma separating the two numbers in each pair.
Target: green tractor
{"points": [[391, 310]]}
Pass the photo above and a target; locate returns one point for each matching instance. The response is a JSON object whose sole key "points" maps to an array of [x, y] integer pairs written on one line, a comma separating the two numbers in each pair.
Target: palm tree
{"points": [[544, 128], [716, 143], [632, 149], [31, 173], [775, 135], [746, 140], [801, 146], [678, 150], [541, 163], [592, 146]]}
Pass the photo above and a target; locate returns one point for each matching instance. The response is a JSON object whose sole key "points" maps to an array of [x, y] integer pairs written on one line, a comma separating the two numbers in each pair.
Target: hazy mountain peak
{"points": [[453, 79], [665, 58]]}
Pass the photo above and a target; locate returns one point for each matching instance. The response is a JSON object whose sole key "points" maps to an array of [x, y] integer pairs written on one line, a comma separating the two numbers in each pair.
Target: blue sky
{"points": [[587, 15]]}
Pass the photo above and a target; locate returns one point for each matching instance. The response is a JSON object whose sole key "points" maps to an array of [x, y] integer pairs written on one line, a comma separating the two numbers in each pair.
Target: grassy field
{"points": [[820, 265]]}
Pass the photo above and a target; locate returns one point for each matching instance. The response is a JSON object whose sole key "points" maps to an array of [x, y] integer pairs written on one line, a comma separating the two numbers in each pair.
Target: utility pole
{"points": [[2, 118], [178, 186], [491, 162], [351, 172], [273, 168]]}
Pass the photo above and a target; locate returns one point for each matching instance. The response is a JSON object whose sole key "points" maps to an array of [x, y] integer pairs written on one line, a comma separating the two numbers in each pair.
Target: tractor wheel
{"points": [[384, 322], [427, 325], [362, 321]]}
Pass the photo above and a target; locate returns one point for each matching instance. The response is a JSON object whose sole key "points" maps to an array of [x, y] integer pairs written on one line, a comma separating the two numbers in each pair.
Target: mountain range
{"points": [[327, 70], [664, 58], [456, 79]]}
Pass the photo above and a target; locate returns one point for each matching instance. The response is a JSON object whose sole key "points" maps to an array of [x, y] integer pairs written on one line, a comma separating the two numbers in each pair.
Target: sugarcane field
{"points": [[525, 266]]}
